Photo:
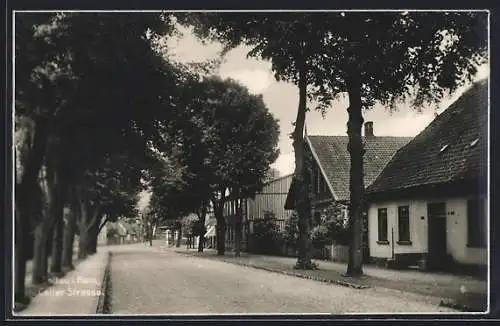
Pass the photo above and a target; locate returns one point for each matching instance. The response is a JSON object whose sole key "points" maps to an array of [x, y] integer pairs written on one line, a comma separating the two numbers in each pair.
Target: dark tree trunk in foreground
{"points": [[20, 259], [302, 201], [57, 247], [355, 148], [69, 240], [57, 230], [43, 231], [25, 197], [39, 274]]}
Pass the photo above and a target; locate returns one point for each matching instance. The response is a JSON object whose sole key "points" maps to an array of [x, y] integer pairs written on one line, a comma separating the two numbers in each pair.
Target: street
{"points": [[149, 281]]}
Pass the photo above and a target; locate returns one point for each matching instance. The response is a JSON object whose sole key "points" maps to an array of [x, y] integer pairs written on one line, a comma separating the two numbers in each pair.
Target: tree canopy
{"points": [[384, 57]]}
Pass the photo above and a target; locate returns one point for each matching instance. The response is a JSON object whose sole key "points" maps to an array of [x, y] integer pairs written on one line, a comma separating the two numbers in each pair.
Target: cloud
{"points": [[257, 80]]}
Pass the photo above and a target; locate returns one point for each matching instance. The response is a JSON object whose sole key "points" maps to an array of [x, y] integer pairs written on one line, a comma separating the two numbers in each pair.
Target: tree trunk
{"points": [[39, 274], [83, 229], [302, 200], [221, 227], [92, 238], [24, 203], [356, 150], [237, 233], [20, 258], [43, 232], [57, 247], [202, 218], [221, 237], [179, 237], [69, 240], [82, 241], [57, 230], [151, 236]]}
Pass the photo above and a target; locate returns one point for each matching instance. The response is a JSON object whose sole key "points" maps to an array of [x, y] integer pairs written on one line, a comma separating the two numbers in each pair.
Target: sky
{"points": [[282, 98]]}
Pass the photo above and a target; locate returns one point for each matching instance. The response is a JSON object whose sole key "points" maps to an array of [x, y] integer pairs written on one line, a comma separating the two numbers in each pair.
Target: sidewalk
{"points": [[460, 292], [77, 293]]}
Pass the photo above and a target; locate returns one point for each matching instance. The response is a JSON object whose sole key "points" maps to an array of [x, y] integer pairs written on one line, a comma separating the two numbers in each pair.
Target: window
{"points": [[382, 224], [404, 223], [476, 223]]}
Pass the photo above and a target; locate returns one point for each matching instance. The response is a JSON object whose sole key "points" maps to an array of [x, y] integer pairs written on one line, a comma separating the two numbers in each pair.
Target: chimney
{"points": [[369, 129]]}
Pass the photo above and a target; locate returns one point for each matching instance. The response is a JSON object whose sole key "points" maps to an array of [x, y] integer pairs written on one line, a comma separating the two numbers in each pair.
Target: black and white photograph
{"points": [[250, 163]]}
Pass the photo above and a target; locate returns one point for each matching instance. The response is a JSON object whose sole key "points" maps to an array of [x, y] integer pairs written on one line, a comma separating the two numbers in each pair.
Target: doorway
{"points": [[437, 239]]}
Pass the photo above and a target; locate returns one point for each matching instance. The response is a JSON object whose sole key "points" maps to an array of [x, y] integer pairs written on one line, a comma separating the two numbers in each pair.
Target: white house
{"points": [[429, 204]]}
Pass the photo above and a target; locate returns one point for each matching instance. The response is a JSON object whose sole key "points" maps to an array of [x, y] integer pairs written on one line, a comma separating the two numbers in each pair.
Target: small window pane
{"points": [[404, 223], [382, 224]]}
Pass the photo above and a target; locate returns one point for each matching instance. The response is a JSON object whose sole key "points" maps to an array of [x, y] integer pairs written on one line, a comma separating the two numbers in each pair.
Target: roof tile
{"points": [[335, 159], [422, 161]]}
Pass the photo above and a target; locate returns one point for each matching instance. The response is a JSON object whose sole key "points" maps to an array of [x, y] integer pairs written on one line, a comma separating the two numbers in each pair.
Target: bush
{"points": [[334, 222], [266, 238], [291, 233]]}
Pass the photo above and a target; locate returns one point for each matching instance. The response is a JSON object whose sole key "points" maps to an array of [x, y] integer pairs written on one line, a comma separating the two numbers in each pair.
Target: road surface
{"points": [[149, 281]]}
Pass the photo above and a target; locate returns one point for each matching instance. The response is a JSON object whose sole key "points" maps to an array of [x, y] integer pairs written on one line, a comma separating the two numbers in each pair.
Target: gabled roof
{"points": [[452, 148], [333, 158]]}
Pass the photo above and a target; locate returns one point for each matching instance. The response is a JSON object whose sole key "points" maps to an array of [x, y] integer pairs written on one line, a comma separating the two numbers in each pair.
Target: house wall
{"points": [[456, 224], [272, 198]]}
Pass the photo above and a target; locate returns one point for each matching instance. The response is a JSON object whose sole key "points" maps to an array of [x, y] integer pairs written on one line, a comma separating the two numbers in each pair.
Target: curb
{"points": [[450, 303], [288, 273], [104, 302]]}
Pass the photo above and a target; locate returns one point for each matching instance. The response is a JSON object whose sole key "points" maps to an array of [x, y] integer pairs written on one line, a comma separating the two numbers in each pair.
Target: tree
{"points": [[71, 72], [229, 141], [423, 55], [290, 42]]}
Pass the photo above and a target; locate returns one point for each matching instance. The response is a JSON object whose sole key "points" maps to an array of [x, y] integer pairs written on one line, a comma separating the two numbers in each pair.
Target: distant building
{"points": [[271, 198]]}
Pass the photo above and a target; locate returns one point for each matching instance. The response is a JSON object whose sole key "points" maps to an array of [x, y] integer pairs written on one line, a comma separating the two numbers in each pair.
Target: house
{"points": [[429, 204], [271, 198], [331, 168]]}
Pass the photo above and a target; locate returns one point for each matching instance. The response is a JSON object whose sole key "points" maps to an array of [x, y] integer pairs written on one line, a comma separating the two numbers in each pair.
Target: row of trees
{"points": [[384, 57], [97, 108], [222, 151]]}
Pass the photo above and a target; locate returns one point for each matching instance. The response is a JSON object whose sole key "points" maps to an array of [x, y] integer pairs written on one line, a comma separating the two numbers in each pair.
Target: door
{"points": [[437, 239]]}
